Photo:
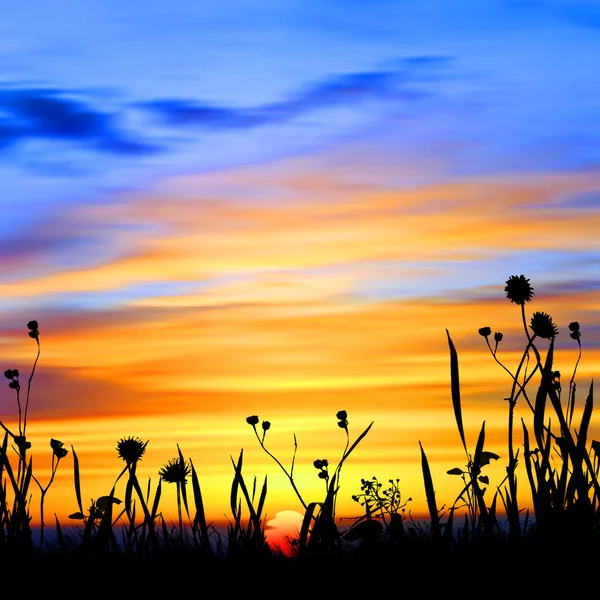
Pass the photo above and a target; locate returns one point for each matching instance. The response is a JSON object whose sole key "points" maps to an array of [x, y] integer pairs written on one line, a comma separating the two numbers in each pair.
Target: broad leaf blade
{"points": [[455, 387]]}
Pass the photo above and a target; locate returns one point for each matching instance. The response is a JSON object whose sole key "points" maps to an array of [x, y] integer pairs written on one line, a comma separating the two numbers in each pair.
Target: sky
{"points": [[278, 209]]}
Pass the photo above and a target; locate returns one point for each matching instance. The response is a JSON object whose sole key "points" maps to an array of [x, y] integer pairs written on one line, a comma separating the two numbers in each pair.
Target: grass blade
{"points": [[585, 419], [430, 494], [455, 387], [200, 517], [77, 480]]}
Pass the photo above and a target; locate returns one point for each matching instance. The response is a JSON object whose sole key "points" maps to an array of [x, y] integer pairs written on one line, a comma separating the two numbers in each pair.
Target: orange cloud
{"points": [[281, 320]]}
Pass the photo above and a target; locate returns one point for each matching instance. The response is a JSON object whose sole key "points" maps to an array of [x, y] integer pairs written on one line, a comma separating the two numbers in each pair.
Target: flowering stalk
{"points": [[266, 425], [58, 453]]}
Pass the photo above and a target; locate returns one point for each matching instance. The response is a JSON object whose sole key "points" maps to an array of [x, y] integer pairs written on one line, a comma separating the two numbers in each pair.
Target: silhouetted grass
{"points": [[561, 463]]}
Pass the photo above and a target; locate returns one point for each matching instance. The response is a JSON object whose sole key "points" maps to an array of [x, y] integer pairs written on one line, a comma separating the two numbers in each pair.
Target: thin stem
{"points": [[43, 491], [179, 510], [29, 385], [288, 475], [572, 387]]}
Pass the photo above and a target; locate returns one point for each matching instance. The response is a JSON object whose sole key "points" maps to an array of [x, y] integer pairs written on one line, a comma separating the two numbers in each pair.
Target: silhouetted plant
{"points": [[58, 453], [318, 533], [246, 540], [177, 471], [562, 469], [15, 520], [384, 516]]}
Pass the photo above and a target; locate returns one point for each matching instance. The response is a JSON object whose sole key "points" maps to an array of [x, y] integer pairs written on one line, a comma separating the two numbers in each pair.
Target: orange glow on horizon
{"points": [[286, 317]]}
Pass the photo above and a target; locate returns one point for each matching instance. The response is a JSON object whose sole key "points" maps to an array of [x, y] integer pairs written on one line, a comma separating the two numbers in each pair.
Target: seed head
{"points": [[543, 326], [131, 449], [175, 471], [518, 289]]}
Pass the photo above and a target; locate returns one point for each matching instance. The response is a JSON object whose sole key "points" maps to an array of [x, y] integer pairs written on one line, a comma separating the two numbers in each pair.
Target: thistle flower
{"points": [[518, 289], [498, 337], [485, 332], [266, 425], [57, 448], [253, 420], [543, 326], [175, 471], [131, 449]]}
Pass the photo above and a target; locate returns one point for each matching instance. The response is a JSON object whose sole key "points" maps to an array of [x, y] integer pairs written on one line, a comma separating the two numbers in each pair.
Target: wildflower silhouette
{"points": [[555, 490], [176, 471], [253, 421], [384, 512], [33, 329], [16, 519], [543, 326], [574, 329], [342, 415], [131, 449], [322, 465], [518, 289], [57, 449], [58, 453], [319, 517]]}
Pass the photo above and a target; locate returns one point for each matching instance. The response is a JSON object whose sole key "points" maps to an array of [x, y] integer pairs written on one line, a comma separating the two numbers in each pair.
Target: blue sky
{"points": [[99, 96]]}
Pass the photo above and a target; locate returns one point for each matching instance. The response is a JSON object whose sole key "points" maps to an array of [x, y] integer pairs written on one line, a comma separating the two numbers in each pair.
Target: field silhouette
{"points": [[483, 529]]}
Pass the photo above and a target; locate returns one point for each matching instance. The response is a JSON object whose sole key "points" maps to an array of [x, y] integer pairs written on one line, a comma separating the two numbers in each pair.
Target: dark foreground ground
{"points": [[415, 574]]}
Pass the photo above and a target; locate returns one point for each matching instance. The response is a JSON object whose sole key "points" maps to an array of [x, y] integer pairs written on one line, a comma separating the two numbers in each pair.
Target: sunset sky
{"points": [[277, 209]]}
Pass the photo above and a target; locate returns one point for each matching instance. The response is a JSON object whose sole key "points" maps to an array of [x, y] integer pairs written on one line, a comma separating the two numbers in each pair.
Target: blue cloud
{"points": [[48, 114], [342, 90], [185, 112]]}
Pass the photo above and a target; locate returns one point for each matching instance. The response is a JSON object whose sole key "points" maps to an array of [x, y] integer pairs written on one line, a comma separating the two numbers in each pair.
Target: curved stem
{"points": [[288, 475], [29, 385]]}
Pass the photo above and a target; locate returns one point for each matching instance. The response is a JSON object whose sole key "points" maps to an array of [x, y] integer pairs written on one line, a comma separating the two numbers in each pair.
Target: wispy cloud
{"points": [[348, 90]]}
